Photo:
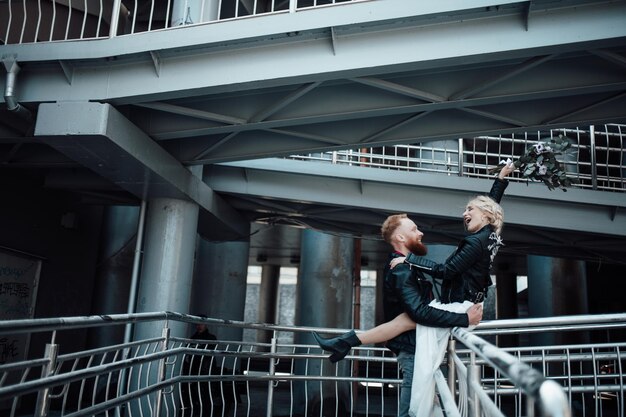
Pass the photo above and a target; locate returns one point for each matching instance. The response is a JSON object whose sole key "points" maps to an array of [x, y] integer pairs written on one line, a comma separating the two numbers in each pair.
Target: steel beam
{"points": [[100, 138], [299, 49], [277, 25], [423, 194]]}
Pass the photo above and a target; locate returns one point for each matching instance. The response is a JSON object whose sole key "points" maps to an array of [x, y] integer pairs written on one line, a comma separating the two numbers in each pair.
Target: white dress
{"points": [[430, 347]]}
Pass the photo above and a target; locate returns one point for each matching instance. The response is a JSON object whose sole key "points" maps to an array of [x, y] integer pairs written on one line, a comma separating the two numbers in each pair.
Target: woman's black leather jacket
{"points": [[406, 290], [465, 273]]}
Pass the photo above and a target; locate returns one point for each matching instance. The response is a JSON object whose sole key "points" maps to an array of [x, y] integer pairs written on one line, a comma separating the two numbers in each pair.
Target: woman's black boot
{"points": [[339, 346]]}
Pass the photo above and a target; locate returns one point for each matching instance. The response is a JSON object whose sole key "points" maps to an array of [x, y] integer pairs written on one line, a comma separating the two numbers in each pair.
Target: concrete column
{"points": [[556, 287], [506, 303], [324, 299], [268, 300], [219, 289], [166, 276], [506, 294], [380, 285], [114, 271], [324, 292]]}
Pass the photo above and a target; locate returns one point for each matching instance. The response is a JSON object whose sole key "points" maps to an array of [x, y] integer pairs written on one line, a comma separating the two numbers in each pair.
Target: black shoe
{"points": [[339, 346]]}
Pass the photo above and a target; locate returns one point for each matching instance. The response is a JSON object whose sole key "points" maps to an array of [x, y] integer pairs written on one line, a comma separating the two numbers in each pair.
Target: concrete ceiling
{"points": [[354, 75]]}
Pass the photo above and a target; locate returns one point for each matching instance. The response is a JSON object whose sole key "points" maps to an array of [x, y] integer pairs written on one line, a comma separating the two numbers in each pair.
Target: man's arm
{"points": [[468, 253], [415, 302]]}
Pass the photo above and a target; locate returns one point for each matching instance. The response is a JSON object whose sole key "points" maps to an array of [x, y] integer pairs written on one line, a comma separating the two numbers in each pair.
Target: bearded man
{"points": [[406, 290], [406, 298]]}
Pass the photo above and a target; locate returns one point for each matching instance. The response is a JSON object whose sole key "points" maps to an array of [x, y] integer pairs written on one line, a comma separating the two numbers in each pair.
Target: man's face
{"points": [[411, 237]]}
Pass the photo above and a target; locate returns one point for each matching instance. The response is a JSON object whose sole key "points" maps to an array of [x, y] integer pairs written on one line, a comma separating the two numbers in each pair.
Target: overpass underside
{"points": [[189, 112]]}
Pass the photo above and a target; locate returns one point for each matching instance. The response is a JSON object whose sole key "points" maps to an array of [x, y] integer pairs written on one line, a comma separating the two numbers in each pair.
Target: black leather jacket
{"points": [[406, 290], [465, 273]]}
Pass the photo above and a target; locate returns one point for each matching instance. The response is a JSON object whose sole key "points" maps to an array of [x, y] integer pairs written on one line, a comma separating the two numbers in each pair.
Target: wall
{"points": [[55, 227]]}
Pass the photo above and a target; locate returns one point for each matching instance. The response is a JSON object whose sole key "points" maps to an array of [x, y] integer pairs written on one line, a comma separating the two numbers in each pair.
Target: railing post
{"points": [[530, 406], [553, 401], [452, 368], [43, 398], [162, 367], [115, 18], [473, 371], [593, 162], [272, 372], [460, 159]]}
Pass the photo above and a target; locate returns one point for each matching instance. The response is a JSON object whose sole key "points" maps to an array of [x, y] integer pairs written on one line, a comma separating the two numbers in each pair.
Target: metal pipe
{"points": [[356, 311], [13, 105], [473, 374], [461, 156], [521, 374], [452, 368], [447, 397], [553, 399], [530, 406], [158, 400], [270, 383], [132, 297], [592, 152], [43, 399], [115, 17], [134, 282], [356, 284]]}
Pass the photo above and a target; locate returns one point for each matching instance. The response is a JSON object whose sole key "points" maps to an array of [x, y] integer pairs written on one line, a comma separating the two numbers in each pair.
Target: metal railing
{"points": [[31, 21], [532, 383], [596, 160], [168, 375], [590, 370]]}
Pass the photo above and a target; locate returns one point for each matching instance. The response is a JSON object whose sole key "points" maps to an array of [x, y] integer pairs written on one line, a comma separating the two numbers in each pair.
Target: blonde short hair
{"points": [[492, 210], [390, 225]]}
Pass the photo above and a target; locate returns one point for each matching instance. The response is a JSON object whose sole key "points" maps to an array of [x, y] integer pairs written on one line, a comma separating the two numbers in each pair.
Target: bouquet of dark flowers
{"points": [[539, 163]]}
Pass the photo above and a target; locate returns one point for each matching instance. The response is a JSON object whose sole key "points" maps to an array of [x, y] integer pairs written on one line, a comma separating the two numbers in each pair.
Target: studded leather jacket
{"points": [[407, 290], [465, 273]]}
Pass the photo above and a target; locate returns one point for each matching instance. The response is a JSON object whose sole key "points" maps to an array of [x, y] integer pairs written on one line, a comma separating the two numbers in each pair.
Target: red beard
{"points": [[417, 248]]}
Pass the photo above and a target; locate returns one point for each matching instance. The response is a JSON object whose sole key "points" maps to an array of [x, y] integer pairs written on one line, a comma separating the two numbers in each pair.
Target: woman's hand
{"points": [[506, 170], [396, 261]]}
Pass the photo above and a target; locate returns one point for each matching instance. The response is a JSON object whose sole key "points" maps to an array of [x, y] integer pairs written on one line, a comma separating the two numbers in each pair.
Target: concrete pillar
{"points": [[324, 290], [506, 303], [506, 294], [268, 300], [324, 299], [219, 289], [556, 287], [380, 285], [114, 271], [166, 276], [604, 296]]}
